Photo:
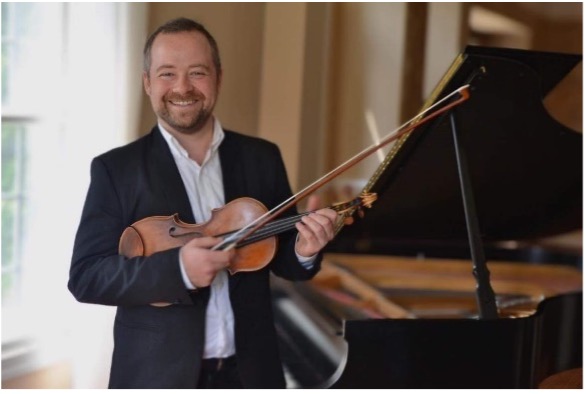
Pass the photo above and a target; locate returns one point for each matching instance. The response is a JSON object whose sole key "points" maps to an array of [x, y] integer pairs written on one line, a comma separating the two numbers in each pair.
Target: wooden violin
{"points": [[157, 233]]}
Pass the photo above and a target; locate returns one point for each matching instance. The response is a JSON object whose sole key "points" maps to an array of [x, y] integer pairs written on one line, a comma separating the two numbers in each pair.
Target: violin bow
{"points": [[418, 120]]}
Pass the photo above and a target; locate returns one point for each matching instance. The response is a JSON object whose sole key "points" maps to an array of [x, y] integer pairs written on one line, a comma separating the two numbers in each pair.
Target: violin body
{"points": [[157, 233], [253, 252]]}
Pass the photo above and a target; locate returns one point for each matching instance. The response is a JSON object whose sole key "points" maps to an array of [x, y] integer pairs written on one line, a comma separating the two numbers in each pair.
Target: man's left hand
{"points": [[315, 231]]}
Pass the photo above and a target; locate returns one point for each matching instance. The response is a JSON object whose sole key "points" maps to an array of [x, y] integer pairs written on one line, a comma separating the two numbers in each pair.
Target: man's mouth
{"points": [[182, 103]]}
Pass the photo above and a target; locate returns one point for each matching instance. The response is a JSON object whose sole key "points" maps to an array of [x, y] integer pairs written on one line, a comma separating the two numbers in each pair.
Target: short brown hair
{"points": [[176, 26]]}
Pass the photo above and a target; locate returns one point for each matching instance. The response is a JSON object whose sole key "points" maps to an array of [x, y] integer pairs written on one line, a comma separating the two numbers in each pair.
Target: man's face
{"points": [[182, 83]]}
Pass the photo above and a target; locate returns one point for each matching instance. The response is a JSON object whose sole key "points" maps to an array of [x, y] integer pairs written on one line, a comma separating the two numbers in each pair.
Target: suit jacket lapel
{"points": [[167, 176], [232, 172]]}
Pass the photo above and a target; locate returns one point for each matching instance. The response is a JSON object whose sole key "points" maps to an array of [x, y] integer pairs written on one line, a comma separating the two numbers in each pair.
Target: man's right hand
{"points": [[201, 263]]}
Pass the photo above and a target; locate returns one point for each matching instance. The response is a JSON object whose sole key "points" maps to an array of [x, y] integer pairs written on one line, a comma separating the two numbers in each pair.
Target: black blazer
{"points": [[158, 347]]}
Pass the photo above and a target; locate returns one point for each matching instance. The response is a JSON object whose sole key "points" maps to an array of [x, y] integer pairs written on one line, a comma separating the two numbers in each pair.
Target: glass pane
{"points": [[29, 30], [27, 21], [10, 159], [5, 19], [8, 232], [7, 287], [13, 204], [6, 50]]}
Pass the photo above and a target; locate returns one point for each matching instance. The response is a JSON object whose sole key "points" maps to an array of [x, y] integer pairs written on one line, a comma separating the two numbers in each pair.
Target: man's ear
{"points": [[146, 81]]}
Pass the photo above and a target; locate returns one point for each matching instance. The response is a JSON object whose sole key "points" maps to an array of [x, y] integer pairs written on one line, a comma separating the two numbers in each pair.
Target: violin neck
{"points": [[274, 228], [280, 226]]}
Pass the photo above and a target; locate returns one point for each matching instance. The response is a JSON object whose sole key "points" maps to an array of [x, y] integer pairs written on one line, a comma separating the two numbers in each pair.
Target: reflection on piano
{"points": [[383, 314]]}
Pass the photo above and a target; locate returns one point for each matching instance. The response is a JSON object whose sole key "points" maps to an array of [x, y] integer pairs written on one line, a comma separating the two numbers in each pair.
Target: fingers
{"points": [[320, 224], [202, 264], [316, 230]]}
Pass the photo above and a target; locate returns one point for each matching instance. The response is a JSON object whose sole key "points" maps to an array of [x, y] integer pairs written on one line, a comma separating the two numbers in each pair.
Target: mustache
{"points": [[183, 97]]}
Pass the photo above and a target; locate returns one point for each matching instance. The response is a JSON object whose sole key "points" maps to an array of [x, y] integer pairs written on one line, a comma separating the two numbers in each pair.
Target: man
{"points": [[218, 331]]}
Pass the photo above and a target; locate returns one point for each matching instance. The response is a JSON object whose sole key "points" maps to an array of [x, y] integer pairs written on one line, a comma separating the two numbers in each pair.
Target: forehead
{"points": [[182, 47]]}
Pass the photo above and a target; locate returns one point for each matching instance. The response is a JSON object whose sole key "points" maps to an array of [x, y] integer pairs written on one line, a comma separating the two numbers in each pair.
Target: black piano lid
{"points": [[525, 167]]}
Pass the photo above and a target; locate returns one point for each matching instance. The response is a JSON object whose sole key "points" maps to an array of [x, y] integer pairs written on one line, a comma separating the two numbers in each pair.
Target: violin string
{"points": [[282, 225], [288, 223], [232, 240], [272, 228], [285, 224], [261, 234]]}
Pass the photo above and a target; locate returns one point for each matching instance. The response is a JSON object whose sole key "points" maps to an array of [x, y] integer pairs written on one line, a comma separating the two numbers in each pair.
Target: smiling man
{"points": [[218, 330]]}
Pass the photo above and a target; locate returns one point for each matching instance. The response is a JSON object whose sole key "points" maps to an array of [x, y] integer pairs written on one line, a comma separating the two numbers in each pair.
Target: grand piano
{"points": [[427, 290]]}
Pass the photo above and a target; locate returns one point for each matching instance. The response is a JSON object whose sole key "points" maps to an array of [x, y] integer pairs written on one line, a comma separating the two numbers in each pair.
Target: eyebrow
{"points": [[170, 66], [164, 66]]}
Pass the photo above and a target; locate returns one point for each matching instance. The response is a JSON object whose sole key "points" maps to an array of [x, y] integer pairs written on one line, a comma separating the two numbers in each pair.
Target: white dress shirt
{"points": [[205, 190]]}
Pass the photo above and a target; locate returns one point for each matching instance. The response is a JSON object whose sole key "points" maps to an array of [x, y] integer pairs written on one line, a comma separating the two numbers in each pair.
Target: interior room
{"points": [[322, 81]]}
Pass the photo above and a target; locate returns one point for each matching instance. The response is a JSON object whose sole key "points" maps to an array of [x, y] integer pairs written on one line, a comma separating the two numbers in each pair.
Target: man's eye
{"points": [[166, 75]]}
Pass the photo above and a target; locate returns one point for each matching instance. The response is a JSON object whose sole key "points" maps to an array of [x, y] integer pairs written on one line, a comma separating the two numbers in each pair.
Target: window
{"points": [[20, 31], [71, 90], [13, 205]]}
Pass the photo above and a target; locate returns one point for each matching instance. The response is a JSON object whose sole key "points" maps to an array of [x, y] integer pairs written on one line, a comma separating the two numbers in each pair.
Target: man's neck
{"points": [[196, 144]]}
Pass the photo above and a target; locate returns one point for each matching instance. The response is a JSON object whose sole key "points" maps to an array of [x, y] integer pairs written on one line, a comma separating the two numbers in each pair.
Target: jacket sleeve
{"points": [[98, 274], [285, 264]]}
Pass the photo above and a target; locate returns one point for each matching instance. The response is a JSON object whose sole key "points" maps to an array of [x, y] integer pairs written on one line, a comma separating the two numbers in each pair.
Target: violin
{"points": [[157, 233]]}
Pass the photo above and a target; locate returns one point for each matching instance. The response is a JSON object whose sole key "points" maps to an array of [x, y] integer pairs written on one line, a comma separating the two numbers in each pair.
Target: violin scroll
{"points": [[347, 209]]}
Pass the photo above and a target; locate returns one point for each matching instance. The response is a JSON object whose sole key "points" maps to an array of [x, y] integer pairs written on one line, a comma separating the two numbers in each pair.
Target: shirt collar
{"points": [[177, 149]]}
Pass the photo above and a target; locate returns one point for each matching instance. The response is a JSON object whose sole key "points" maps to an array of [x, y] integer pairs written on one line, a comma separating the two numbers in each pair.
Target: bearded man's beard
{"points": [[186, 123]]}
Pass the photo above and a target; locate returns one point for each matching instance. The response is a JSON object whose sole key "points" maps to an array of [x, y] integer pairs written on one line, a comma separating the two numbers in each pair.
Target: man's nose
{"points": [[183, 84]]}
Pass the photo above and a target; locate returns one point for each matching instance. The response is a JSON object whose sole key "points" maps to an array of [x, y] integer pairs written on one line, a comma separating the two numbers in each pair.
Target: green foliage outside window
{"points": [[13, 197]]}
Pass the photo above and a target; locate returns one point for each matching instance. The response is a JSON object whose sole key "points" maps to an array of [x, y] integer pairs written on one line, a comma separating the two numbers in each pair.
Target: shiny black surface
{"points": [[525, 167], [465, 353]]}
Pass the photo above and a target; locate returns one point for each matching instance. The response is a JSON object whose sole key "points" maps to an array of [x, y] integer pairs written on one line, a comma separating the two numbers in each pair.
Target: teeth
{"points": [[183, 102]]}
